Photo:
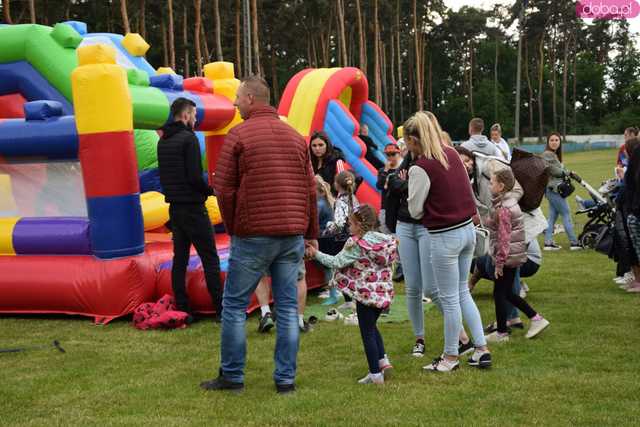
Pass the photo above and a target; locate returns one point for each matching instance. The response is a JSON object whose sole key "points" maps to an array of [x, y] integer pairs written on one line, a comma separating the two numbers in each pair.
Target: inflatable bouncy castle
{"points": [[82, 215], [336, 100]]}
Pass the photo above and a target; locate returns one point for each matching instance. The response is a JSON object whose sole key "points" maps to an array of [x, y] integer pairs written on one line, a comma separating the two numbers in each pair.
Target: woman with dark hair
{"points": [[557, 204], [325, 159], [629, 202]]}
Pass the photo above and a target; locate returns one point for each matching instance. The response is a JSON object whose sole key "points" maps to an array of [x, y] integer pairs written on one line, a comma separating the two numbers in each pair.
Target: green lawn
{"points": [[582, 371]]}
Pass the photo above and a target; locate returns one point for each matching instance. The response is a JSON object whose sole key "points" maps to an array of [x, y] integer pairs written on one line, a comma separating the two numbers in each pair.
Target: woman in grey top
{"points": [[557, 204]]}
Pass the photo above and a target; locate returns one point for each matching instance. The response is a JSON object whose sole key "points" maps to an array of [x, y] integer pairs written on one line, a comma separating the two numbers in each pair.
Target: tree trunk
{"points": [[205, 45], [495, 85], [529, 86], [430, 84], [392, 73], [554, 98], [575, 84], [6, 11], [471, 108], [256, 40], [123, 13], [362, 40], [383, 77], [185, 38], [565, 73], [165, 49], [172, 44], [274, 78], [417, 38], [142, 20], [540, 95], [376, 50], [196, 35], [238, 38], [32, 11], [343, 36], [399, 60], [216, 16]]}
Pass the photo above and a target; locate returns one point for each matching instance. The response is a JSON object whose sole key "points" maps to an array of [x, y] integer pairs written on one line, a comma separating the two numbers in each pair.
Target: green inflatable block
{"points": [[146, 142], [12, 41], [66, 36], [137, 77]]}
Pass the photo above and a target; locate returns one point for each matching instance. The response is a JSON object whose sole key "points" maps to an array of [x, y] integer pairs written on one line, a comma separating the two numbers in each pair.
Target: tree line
{"points": [[576, 78]]}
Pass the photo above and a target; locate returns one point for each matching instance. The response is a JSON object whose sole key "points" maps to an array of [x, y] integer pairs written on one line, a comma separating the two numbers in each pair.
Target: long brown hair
{"points": [[557, 152], [347, 183], [365, 216]]}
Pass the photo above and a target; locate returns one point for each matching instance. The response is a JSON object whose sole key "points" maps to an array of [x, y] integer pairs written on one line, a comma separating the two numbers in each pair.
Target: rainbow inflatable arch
{"points": [[336, 100]]}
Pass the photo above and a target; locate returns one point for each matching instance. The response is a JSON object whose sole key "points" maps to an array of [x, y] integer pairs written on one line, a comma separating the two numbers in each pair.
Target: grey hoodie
{"points": [[481, 144]]}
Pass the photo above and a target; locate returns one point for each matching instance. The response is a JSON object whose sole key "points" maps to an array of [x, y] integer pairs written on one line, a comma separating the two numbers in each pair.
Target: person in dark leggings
{"points": [[508, 251]]}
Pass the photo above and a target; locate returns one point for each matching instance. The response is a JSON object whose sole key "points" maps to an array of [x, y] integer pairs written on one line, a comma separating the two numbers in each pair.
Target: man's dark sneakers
{"points": [[221, 383], [266, 323], [285, 388], [480, 359], [465, 348]]}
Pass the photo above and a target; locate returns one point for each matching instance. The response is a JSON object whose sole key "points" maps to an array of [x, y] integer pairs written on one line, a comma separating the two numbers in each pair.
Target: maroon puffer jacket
{"points": [[264, 180]]}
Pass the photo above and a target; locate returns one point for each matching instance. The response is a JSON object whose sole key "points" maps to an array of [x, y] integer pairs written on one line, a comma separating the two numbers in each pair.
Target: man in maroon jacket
{"points": [[266, 191]]}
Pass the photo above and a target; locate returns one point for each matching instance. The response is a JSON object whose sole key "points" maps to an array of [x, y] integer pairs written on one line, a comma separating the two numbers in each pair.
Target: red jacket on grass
{"points": [[264, 181]]}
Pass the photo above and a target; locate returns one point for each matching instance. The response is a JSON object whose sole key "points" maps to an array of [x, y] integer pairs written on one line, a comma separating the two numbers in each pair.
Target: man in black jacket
{"points": [[180, 166]]}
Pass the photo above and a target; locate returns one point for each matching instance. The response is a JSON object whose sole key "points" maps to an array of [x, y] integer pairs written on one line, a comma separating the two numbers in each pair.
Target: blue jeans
{"points": [[559, 206], [250, 257], [451, 255], [414, 250]]}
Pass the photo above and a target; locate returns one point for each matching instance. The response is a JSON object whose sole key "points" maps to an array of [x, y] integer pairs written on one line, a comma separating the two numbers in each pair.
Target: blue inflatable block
{"points": [[53, 139], [21, 77], [340, 128], [116, 41], [378, 129], [150, 180], [116, 226], [42, 110], [80, 27], [167, 81], [173, 95]]}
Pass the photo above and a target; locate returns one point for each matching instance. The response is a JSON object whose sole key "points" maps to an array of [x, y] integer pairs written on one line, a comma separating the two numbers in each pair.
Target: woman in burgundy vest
{"points": [[440, 194]]}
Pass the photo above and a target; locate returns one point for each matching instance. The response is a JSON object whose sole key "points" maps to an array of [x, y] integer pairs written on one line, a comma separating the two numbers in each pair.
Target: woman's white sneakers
{"points": [[418, 349], [372, 379], [440, 364], [536, 327], [333, 315], [351, 319]]}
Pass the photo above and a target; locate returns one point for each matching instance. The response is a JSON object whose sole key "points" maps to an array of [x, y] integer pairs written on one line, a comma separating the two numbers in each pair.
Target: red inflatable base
{"points": [[107, 289]]}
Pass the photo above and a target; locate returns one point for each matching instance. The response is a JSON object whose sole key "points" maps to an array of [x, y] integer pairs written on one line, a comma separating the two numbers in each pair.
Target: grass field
{"points": [[582, 371]]}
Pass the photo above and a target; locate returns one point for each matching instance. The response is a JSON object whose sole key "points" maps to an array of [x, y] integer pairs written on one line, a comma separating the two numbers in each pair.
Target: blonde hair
{"points": [[497, 128], [420, 127], [446, 139], [324, 189]]}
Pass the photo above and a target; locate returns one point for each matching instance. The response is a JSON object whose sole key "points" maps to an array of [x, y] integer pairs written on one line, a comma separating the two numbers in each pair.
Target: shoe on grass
{"points": [[552, 247], [324, 294], [536, 326], [480, 359], [440, 364], [333, 315], [351, 319], [372, 379], [634, 288], [385, 367], [266, 323], [576, 247], [285, 388], [221, 383], [465, 348], [306, 327], [497, 337], [347, 305], [418, 349]]}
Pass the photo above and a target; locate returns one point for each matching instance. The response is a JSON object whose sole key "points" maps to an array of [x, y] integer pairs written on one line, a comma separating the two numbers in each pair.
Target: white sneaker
{"points": [[385, 367], [497, 337], [351, 319], [350, 305], [558, 229], [324, 294], [418, 350], [524, 286], [618, 280], [372, 379], [441, 364], [523, 293], [426, 300], [536, 327], [333, 315]]}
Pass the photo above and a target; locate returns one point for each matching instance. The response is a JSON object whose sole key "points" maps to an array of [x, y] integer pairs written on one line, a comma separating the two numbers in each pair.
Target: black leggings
{"points": [[503, 293], [371, 338]]}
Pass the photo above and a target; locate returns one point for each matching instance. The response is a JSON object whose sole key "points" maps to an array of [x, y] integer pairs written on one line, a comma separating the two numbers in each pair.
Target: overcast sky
{"points": [[487, 4]]}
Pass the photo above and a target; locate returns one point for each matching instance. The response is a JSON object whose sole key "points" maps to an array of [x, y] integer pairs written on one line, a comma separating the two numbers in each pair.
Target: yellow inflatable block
{"points": [[399, 131], [214, 210], [7, 202], [165, 70], [6, 235], [101, 99], [219, 70], [135, 44], [96, 54], [155, 211]]}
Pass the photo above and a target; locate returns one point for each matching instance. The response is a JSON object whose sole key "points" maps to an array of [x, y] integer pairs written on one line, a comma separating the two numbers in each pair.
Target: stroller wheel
{"points": [[588, 239]]}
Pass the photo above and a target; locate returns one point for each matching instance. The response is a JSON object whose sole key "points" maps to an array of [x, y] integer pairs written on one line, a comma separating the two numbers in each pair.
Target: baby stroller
{"points": [[601, 210]]}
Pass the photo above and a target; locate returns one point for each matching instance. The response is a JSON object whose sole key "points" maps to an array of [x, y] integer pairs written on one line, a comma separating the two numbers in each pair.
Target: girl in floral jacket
{"points": [[363, 272]]}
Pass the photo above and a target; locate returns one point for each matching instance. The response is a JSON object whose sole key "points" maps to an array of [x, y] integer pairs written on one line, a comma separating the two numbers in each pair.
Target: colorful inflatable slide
{"points": [[78, 114], [336, 100]]}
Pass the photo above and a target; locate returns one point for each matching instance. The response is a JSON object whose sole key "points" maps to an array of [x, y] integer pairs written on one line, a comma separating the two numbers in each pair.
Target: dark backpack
{"points": [[531, 171]]}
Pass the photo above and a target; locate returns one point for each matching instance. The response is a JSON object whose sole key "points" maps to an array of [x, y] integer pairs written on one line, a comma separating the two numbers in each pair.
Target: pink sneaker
{"points": [[634, 288]]}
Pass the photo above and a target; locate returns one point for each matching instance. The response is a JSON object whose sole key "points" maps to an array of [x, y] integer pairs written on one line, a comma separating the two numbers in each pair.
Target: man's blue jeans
{"points": [[250, 257]]}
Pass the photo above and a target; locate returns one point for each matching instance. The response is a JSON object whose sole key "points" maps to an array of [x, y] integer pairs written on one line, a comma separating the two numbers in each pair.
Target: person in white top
{"points": [[478, 143], [496, 138]]}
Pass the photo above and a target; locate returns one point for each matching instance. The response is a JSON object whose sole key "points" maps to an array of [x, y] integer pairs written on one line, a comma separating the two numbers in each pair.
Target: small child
{"points": [[508, 250], [363, 271], [346, 202]]}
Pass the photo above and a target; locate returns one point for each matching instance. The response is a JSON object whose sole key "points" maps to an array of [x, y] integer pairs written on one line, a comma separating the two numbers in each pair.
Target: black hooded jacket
{"points": [[396, 206], [180, 166]]}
